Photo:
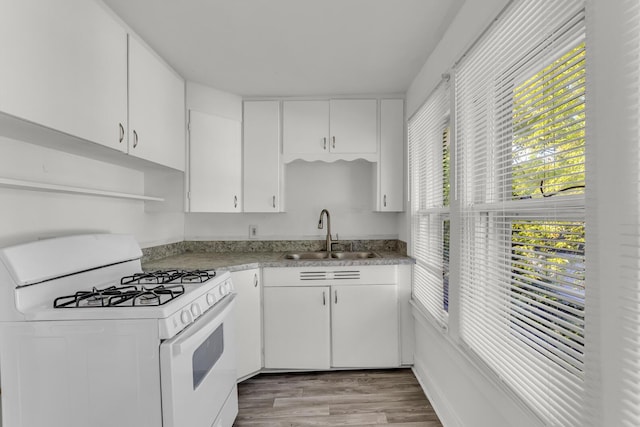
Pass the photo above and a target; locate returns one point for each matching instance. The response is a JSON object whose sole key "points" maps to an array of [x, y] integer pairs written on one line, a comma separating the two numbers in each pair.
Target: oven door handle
{"points": [[195, 334]]}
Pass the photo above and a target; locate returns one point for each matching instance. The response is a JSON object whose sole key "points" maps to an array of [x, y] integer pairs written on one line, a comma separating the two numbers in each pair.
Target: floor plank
{"points": [[392, 398]]}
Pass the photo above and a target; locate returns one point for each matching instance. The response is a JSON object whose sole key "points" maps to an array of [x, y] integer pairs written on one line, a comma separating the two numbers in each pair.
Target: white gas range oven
{"points": [[89, 340]]}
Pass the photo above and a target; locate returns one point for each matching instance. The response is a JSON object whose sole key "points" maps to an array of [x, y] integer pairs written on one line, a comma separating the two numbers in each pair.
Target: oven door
{"points": [[198, 371]]}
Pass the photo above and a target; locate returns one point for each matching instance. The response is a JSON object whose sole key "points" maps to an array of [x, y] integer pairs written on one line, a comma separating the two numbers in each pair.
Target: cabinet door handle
{"points": [[121, 132], [255, 280], [385, 201], [336, 296], [235, 201], [333, 140], [324, 298], [274, 202], [135, 139], [324, 143]]}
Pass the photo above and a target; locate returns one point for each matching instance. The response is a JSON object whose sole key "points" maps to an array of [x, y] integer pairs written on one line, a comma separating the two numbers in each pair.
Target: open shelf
{"points": [[55, 188]]}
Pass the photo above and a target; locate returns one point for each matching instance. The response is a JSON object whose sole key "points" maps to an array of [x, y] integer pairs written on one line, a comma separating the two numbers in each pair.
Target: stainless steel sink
{"points": [[354, 255], [334, 255], [307, 255]]}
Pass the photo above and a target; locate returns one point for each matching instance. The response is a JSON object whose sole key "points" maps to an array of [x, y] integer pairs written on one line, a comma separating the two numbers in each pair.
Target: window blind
{"points": [[520, 155], [429, 160], [629, 172]]}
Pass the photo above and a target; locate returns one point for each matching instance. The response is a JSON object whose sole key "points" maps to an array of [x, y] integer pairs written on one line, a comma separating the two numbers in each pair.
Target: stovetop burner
{"points": [[121, 296], [140, 289], [169, 276]]}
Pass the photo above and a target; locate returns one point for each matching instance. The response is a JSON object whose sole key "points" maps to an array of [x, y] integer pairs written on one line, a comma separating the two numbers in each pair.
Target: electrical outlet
{"points": [[253, 231]]}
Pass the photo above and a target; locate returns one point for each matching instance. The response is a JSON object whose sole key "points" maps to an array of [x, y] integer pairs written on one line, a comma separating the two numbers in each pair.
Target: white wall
{"points": [[472, 19], [344, 188], [461, 393], [29, 215], [213, 101]]}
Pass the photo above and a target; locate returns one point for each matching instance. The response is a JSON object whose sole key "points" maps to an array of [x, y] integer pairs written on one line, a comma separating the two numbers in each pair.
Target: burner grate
{"points": [[121, 296], [140, 289], [169, 276], [196, 276], [155, 277]]}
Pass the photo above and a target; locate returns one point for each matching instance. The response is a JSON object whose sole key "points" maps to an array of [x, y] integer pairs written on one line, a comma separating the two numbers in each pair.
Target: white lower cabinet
{"points": [[296, 327], [364, 326], [248, 321], [323, 319]]}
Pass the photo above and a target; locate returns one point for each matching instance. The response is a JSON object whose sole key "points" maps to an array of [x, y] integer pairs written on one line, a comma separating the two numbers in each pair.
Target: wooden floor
{"points": [[339, 398]]}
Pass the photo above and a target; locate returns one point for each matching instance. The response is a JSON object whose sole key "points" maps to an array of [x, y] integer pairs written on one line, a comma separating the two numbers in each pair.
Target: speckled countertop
{"points": [[237, 261]]}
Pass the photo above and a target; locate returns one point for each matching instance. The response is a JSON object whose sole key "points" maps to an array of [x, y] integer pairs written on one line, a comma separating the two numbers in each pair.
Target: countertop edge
{"points": [[234, 261]]}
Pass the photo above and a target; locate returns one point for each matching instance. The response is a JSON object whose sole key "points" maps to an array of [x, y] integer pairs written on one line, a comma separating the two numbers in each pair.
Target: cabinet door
{"points": [[364, 326], [296, 327], [261, 156], [215, 171], [156, 109], [354, 125], [248, 321], [64, 66], [390, 197], [305, 127]]}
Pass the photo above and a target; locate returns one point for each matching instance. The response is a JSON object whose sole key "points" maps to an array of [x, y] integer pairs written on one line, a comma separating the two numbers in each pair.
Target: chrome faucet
{"points": [[321, 226]]}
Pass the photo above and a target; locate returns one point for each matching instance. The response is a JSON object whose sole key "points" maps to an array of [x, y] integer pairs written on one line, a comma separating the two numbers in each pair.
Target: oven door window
{"points": [[207, 354]]}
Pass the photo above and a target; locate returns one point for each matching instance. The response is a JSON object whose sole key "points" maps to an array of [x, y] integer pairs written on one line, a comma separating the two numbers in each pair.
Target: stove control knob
{"points": [[185, 317], [221, 291], [195, 310], [211, 298]]}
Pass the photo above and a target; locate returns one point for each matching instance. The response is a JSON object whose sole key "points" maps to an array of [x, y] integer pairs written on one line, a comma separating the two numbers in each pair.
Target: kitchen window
{"points": [[520, 156], [430, 160]]}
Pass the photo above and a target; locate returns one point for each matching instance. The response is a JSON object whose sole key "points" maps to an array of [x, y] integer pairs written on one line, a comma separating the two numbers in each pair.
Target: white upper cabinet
{"points": [[390, 194], [215, 163], [353, 126], [305, 127], [64, 66], [261, 165], [156, 109], [340, 129]]}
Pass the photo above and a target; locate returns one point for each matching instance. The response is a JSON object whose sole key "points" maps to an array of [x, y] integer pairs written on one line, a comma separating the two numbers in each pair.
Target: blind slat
{"points": [[429, 160], [520, 133]]}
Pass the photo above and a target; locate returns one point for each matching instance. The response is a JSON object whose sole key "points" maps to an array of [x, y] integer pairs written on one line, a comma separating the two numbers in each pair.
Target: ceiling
{"points": [[292, 47]]}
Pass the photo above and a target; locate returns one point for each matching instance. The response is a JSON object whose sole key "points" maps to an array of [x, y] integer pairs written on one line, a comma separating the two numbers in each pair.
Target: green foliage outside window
{"points": [[548, 159], [548, 129]]}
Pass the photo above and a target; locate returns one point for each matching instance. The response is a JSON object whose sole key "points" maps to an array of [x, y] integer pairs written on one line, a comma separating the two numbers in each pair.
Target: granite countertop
{"points": [[237, 261]]}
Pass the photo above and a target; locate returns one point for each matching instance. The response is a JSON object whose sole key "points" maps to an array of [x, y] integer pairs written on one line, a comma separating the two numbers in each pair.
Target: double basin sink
{"points": [[301, 256]]}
